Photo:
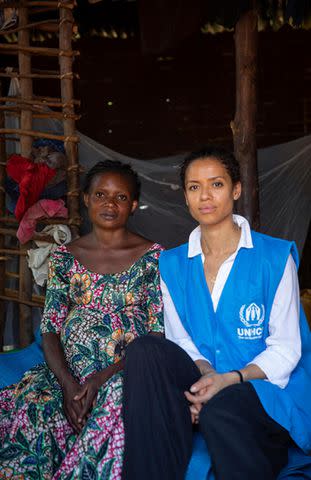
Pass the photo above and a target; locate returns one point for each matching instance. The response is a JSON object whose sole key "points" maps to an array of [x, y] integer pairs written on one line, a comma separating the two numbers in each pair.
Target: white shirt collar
{"points": [[194, 247]]}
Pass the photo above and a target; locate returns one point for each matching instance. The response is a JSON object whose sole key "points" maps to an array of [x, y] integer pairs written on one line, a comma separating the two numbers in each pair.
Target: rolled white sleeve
{"points": [[174, 329], [283, 350]]}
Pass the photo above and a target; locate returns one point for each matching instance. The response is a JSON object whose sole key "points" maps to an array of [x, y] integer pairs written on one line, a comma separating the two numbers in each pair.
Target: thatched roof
{"points": [[163, 24]]}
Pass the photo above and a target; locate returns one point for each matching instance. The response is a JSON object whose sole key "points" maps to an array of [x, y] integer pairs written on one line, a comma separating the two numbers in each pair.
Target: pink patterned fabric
{"points": [[42, 209]]}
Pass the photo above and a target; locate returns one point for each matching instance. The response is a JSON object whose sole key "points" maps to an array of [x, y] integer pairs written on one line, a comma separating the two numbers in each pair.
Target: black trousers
{"points": [[243, 441]]}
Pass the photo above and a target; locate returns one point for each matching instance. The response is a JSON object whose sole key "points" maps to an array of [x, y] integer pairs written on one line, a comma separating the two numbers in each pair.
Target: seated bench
{"points": [[14, 364]]}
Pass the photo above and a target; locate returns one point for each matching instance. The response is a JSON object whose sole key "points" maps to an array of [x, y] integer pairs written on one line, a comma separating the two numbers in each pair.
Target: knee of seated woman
{"points": [[229, 399], [142, 345]]}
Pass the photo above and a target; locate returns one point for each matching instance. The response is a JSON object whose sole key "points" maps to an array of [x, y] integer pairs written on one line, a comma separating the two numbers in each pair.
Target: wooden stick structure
{"points": [[69, 75], [25, 280], [30, 25], [244, 123], [44, 3], [46, 101], [29, 303], [65, 63], [2, 237], [37, 114], [7, 48], [25, 107], [37, 134]]}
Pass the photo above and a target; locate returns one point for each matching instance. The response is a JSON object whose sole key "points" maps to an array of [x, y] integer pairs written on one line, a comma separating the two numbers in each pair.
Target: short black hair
{"points": [[221, 154], [114, 166]]}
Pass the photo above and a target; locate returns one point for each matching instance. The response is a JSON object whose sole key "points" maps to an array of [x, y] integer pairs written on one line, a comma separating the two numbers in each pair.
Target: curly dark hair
{"points": [[225, 157], [107, 166]]}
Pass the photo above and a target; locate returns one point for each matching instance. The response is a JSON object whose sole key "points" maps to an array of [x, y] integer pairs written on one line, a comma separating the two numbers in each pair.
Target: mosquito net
{"points": [[284, 189], [284, 181], [284, 193]]}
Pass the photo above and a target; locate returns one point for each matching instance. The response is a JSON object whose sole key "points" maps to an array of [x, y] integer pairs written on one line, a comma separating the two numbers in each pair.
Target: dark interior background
{"points": [[147, 104]]}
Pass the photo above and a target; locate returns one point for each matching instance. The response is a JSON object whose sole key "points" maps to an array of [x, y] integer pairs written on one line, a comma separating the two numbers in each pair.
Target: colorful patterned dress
{"points": [[96, 316]]}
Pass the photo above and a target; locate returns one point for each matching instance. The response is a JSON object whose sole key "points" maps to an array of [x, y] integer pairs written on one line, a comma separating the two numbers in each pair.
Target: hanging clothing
{"points": [[31, 178], [38, 258], [51, 192], [42, 209], [55, 145]]}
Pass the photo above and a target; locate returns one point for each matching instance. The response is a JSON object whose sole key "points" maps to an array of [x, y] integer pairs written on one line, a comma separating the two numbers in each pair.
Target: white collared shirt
{"points": [[283, 345]]}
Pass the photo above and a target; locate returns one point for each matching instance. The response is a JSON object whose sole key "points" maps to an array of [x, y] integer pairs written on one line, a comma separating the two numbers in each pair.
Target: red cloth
{"points": [[42, 209], [31, 178]]}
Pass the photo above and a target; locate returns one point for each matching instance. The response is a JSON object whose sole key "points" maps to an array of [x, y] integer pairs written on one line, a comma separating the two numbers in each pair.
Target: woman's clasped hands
{"points": [[79, 400], [204, 389]]}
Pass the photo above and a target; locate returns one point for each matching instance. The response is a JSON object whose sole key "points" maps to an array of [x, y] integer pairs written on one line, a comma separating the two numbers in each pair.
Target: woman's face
{"points": [[110, 200], [209, 191]]}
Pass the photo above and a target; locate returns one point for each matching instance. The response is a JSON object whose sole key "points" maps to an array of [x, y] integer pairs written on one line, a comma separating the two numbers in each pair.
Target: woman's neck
{"points": [[222, 238], [109, 238]]}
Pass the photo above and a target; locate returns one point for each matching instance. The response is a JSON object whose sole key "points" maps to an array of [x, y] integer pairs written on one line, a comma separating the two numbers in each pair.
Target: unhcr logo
{"points": [[252, 317]]}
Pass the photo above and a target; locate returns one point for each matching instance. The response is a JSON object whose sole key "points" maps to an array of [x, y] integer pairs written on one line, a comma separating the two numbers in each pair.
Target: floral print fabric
{"points": [[96, 316]]}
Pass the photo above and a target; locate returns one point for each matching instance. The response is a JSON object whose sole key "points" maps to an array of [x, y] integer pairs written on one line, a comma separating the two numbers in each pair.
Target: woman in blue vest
{"points": [[236, 361]]}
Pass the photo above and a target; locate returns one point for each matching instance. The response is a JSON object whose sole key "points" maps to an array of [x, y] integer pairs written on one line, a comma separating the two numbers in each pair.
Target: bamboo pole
{"points": [[24, 61], [39, 10], [50, 3], [13, 112], [12, 251], [25, 293], [29, 25], [2, 238], [25, 280], [14, 293], [42, 76], [43, 3], [12, 275], [23, 302], [65, 36], [7, 231], [6, 48], [51, 99], [46, 101], [244, 124], [36, 134], [50, 72]]}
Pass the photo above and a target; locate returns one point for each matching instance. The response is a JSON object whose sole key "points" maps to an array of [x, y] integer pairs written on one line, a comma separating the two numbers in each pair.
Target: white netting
{"points": [[284, 180]]}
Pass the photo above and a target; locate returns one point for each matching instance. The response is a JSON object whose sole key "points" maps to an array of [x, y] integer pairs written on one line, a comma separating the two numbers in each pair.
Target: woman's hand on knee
{"points": [[208, 385]]}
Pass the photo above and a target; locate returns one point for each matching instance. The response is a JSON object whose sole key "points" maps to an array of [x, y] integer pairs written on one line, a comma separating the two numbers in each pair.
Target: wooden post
{"points": [[244, 124], [2, 208], [66, 64], [25, 280], [24, 61]]}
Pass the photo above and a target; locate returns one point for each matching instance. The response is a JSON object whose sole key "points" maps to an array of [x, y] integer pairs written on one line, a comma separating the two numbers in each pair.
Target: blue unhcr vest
{"points": [[233, 335]]}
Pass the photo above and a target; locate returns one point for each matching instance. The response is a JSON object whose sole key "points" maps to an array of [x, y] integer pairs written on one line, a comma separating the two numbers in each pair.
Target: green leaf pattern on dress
{"points": [[96, 316]]}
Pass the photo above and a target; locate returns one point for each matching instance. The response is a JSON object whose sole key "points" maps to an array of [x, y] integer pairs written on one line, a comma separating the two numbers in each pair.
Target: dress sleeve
{"points": [[154, 303], [57, 295]]}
